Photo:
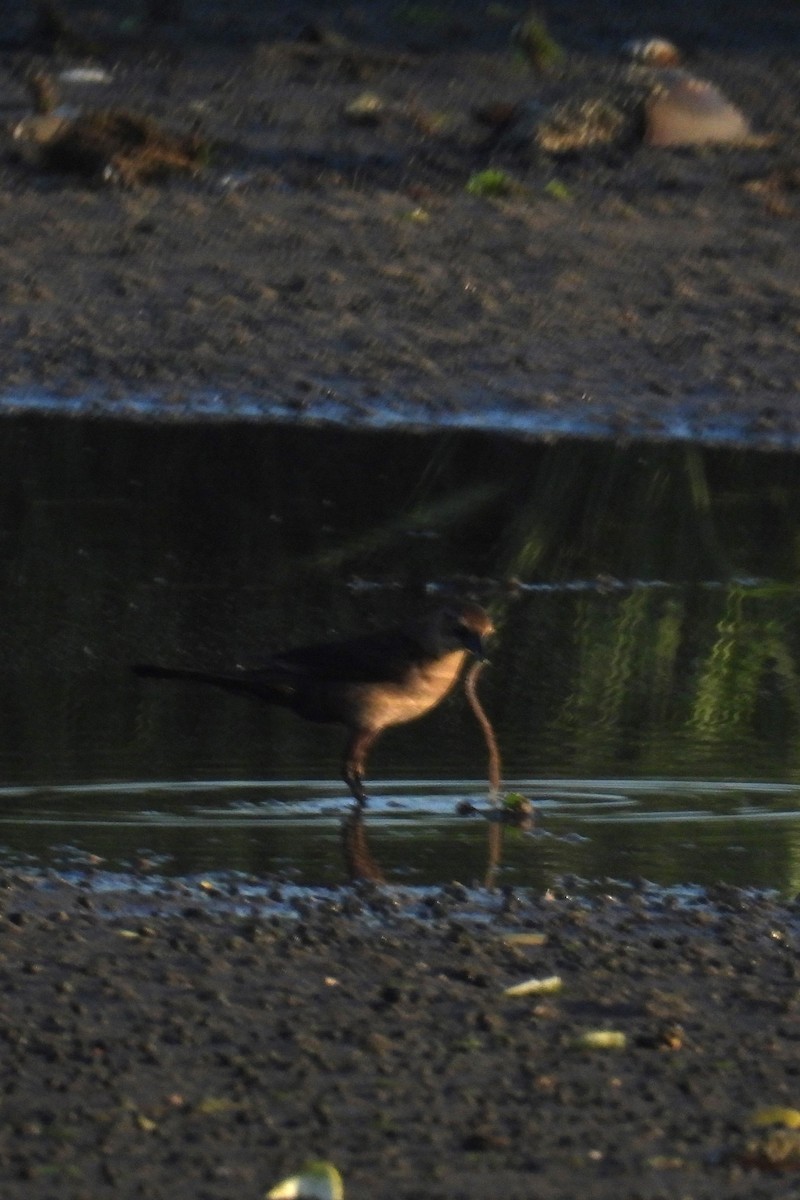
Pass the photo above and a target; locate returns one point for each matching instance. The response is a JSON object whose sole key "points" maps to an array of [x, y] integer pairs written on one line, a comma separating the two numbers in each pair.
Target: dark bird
{"points": [[366, 683]]}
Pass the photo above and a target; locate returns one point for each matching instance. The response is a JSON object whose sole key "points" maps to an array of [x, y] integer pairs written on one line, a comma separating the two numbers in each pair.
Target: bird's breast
{"points": [[425, 685]]}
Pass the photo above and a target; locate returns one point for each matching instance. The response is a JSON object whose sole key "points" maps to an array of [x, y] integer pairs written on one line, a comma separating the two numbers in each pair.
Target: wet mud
{"points": [[330, 260], [198, 1042]]}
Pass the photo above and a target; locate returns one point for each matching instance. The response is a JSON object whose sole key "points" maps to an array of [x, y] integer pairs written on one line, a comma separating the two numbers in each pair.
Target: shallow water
{"points": [[672, 832], [644, 686]]}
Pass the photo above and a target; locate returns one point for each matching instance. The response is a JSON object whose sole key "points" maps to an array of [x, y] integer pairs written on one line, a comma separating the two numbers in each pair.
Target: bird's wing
{"points": [[376, 658]]}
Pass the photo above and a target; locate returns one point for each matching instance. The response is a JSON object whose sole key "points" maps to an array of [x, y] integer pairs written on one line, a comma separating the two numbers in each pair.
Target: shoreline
{"points": [[690, 424]]}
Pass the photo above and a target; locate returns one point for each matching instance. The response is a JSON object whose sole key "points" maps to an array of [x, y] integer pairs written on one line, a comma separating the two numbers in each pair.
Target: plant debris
{"points": [[111, 145]]}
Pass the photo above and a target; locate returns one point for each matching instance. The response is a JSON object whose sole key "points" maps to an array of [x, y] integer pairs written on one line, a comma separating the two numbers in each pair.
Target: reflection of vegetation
{"points": [[431, 518], [608, 666], [216, 545], [750, 654], [632, 513], [664, 681]]}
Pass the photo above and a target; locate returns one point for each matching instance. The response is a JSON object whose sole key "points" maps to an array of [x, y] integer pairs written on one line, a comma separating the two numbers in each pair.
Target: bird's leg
{"points": [[354, 765]]}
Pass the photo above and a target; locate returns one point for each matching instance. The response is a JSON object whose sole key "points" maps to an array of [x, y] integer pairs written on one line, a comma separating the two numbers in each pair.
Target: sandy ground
{"points": [[317, 264], [193, 1043]]}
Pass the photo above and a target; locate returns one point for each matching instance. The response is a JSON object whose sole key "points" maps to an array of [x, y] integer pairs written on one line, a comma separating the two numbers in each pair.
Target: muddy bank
{"points": [[200, 1044], [325, 267]]}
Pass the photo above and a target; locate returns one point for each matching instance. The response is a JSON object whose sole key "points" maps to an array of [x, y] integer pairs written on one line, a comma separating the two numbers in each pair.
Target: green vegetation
{"points": [[557, 190], [493, 183], [534, 42]]}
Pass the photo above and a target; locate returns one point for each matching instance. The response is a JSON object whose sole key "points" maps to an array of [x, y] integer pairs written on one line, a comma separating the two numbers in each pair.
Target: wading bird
{"points": [[366, 683]]}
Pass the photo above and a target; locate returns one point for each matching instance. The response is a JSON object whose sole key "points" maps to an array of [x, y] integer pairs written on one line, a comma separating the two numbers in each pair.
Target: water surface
{"points": [[644, 684]]}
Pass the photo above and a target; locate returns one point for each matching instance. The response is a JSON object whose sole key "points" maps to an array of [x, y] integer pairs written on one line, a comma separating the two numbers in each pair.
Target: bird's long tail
{"points": [[240, 685]]}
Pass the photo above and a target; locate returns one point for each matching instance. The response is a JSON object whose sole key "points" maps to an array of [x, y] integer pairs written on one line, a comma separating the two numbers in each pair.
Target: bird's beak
{"points": [[474, 643]]}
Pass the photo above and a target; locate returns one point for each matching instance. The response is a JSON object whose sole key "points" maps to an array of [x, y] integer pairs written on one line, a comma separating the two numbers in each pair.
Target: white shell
{"points": [[653, 52], [84, 75], [317, 1181], [686, 111], [535, 987]]}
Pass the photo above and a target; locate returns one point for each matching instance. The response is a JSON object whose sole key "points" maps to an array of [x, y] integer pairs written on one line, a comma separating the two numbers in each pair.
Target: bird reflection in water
{"points": [[358, 860], [360, 863]]}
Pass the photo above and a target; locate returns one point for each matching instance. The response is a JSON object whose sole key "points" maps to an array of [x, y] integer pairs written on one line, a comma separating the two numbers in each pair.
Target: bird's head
{"points": [[465, 626]]}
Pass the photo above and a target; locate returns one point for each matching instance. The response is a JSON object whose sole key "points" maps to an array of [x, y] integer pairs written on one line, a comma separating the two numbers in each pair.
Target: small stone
{"points": [[366, 109]]}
